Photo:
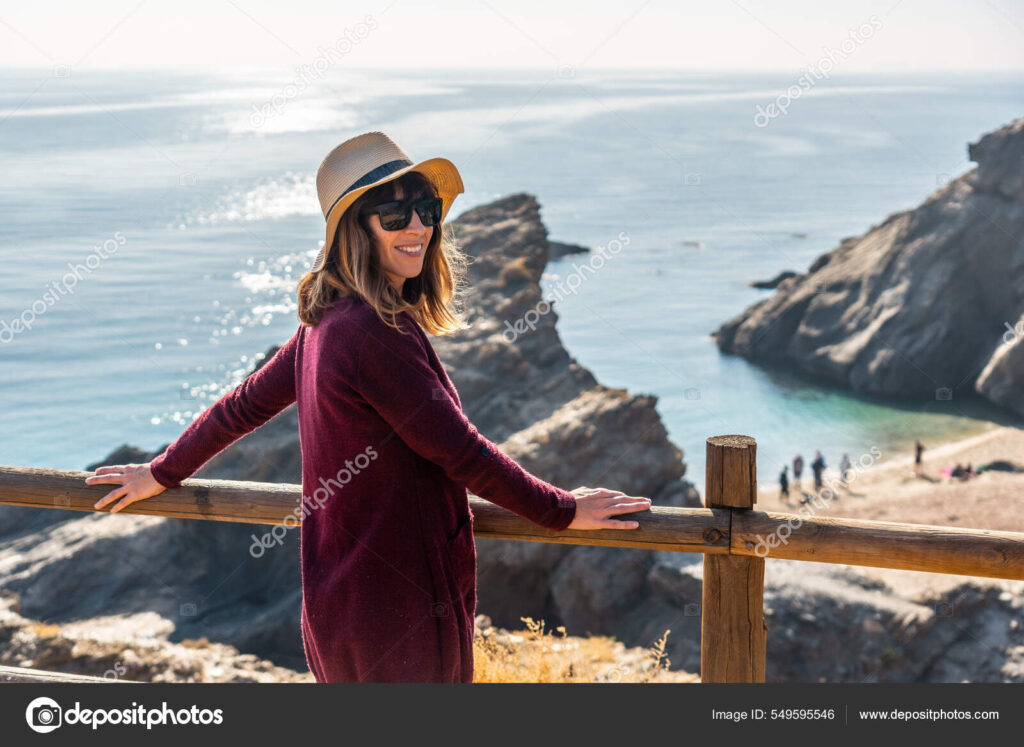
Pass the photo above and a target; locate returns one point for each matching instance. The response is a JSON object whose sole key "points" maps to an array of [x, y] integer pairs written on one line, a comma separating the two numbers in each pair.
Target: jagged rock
{"points": [[560, 249], [774, 282], [819, 611], [1001, 380], [126, 454], [129, 649], [595, 586], [999, 156], [918, 304]]}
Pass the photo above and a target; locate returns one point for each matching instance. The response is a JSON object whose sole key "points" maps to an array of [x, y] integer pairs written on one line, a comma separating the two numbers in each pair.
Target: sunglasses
{"points": [[394, 216]]}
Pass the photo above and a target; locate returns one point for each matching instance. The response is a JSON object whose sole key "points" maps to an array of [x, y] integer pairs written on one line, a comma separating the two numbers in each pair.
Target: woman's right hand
{"points": [[595, 505], [135, 483]]}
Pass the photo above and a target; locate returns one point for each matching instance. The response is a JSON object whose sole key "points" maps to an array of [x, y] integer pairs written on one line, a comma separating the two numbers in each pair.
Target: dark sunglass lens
{"points": [[394, 216], [429, 211]]}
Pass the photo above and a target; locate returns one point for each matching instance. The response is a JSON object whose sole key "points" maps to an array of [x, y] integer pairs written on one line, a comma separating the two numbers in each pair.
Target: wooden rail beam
{"points": [[661, 528], [718, 529], [20, 674], [880, 544]]}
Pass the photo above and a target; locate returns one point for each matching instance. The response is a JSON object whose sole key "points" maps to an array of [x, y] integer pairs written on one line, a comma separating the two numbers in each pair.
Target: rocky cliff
{"points": [[927, 304]]}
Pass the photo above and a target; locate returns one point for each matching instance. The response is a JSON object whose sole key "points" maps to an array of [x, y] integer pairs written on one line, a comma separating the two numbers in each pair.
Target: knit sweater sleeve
{"points": [[395, 377], [262, 394]]}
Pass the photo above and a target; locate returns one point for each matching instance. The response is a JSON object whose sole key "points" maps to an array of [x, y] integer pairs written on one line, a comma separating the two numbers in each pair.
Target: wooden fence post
{"points": [[732, 636]]}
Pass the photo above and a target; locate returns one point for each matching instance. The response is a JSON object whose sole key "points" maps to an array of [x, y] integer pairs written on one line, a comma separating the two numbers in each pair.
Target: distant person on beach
{"points": [[817, 467], [798, 469], [918, 451], [958, 471], [844, 467], [784, 484]]}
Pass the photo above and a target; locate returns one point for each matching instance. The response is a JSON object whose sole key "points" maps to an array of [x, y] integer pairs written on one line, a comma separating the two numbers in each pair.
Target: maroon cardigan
{"points": [[388, 560]]}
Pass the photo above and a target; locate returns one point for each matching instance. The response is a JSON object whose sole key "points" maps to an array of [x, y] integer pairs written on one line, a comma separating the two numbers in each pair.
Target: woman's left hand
{"points": [[595, 505], [135, 483]]}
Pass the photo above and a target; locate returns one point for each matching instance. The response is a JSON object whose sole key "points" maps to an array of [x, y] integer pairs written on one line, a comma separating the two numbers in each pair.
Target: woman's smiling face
{"points": [[400, 252]]}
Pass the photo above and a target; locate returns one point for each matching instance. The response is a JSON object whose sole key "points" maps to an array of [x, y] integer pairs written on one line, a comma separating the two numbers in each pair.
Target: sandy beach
{"points": [[888, 489]]}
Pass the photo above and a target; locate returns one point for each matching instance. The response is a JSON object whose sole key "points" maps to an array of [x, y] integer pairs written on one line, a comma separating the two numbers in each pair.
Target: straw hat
{"points": [[366, 161]]}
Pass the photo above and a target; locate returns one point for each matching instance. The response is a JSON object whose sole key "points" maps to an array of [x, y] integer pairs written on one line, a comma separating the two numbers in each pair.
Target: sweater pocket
{"points": [[460, 551]]}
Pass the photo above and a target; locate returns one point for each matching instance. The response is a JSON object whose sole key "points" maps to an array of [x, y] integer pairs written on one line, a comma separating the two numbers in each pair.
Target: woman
{"points": [[388, 563]]}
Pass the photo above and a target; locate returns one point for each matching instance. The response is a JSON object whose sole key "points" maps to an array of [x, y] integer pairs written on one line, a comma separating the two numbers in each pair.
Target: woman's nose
{"points": [[415, 224], [416, 229]]}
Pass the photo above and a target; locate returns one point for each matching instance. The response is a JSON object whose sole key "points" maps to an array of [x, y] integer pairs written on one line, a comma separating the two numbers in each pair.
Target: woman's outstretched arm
{"points": [[262, 394], [396, 378]]}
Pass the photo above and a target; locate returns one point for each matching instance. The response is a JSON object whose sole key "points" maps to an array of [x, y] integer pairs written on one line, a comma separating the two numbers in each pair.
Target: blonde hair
{"points": [[352, 267]]}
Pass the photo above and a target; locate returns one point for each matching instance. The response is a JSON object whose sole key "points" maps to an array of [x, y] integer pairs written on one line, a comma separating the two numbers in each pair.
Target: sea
{"points": [[154, 224]]}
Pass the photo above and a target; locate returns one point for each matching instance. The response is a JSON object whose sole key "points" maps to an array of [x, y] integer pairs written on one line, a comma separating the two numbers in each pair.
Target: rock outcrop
{"points": [[926, 304], [134, 649], [130, 648], [774, 282]]}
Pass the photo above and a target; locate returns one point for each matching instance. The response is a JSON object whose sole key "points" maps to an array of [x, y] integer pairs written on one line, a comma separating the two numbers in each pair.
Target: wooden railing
{"points": [[733, 537]]}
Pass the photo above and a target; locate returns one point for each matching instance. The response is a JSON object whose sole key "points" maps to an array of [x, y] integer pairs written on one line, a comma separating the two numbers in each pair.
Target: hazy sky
{"points": [[711, 35]]}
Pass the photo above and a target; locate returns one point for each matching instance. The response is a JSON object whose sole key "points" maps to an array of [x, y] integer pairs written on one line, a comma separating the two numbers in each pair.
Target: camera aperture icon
{"points": [[43, 715]]}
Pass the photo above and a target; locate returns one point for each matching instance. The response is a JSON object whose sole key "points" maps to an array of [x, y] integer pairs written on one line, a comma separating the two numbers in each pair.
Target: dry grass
{"points": [[537, 655], [43, 630], [196, 642]]}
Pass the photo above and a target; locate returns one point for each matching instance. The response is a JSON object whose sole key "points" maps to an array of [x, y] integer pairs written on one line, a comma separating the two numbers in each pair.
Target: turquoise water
{"points": [[211, 216]]}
